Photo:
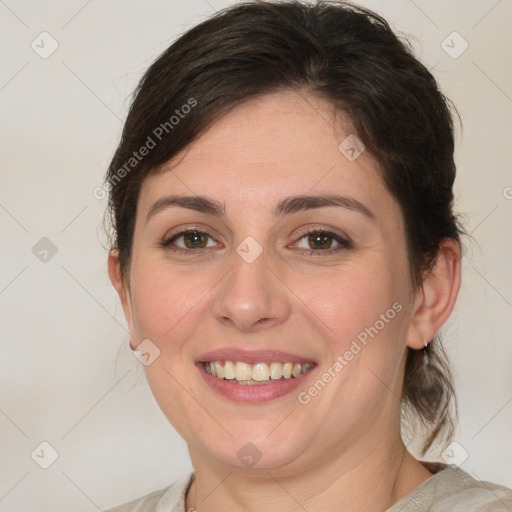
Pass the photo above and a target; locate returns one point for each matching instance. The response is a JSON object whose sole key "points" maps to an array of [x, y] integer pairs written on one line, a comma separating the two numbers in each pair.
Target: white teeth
{"points": [[276, 371], [244, 373], [229, 370], [260, 372], [219, 370]]}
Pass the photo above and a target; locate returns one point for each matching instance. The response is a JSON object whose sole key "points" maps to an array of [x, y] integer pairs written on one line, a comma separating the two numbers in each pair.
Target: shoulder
{"points": [[459, 491], [169, 499], [453, 490]]}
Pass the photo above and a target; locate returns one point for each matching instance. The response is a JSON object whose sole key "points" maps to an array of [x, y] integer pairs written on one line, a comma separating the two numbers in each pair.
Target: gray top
{"points": [[449, 490]]}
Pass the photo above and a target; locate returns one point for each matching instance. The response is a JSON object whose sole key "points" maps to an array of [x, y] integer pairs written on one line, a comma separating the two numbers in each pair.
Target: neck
{"points": [[375, 481]]}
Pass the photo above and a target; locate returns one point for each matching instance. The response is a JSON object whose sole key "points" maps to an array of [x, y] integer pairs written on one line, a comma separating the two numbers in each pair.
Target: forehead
{"points": [[280, 144]]}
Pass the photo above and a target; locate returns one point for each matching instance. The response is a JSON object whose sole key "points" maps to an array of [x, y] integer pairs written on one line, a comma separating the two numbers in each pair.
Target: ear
{"points": [[116, 278], [435, 300]]}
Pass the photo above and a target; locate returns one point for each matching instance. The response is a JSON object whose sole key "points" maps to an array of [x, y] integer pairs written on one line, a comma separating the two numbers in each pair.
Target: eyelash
{"points": [[344, 243]]}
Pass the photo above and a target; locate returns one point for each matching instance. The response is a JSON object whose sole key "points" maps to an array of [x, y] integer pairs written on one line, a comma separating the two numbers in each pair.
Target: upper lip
{"points": [[252, 356]]}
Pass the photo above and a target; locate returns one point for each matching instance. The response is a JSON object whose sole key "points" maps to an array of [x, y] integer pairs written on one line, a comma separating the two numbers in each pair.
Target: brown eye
{"points": [[190, 240], [318, 241], [195, 239]]}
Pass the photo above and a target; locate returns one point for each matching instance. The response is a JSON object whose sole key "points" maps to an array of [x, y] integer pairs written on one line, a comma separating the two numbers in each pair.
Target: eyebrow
{"points": [[286, 206]]}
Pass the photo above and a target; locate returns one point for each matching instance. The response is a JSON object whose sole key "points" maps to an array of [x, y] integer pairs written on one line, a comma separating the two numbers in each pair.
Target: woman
{"points": [[286, 252]]}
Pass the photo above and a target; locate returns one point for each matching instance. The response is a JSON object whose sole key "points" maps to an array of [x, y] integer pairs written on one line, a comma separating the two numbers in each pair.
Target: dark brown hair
{"points": [[338, 52]]}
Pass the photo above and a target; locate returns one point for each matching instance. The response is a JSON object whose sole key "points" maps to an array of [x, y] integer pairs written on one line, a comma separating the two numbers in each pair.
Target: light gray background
{"points": [[62, 325]]}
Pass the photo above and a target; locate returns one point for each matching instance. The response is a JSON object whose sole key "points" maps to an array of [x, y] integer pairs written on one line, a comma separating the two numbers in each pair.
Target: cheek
{"points": [[365, 315], [166, 301], [168, 306], [362, 311], [350, 300]]}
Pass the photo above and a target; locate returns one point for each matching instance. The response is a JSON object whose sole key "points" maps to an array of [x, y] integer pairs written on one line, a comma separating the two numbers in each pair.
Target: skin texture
{"points": [[341, 451]]}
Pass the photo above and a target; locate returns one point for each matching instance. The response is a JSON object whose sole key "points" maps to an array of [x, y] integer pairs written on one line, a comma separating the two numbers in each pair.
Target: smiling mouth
{"points": [[260, 373]]}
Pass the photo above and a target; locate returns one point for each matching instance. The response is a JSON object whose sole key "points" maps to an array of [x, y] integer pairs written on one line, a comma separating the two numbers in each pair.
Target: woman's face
{"points": [[251, 285]]}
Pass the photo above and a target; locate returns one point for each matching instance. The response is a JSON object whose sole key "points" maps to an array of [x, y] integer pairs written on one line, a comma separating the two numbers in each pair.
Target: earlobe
{"points": [[436, 298]]}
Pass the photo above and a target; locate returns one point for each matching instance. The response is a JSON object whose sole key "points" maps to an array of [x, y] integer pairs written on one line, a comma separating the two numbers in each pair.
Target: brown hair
{"points": [[341, 53]]}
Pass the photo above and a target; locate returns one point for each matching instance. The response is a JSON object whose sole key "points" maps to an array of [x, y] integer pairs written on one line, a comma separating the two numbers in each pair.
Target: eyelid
{"points": [[182, 231], [343, 240], [322, 229]]}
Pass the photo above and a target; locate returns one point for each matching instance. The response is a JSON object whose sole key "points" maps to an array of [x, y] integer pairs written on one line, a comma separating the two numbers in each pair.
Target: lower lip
{"points": [[254, 393]]}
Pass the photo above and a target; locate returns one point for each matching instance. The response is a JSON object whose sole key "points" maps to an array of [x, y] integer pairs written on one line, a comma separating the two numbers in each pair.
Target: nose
{"points": [[252, 297]]}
